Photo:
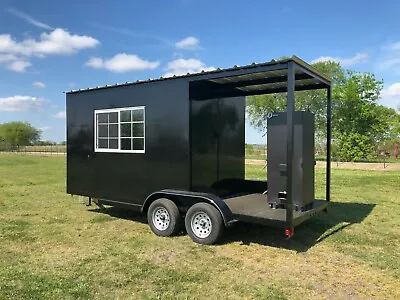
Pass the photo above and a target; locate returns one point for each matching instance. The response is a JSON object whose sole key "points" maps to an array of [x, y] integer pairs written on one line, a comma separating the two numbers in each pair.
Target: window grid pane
{"points": [[103, 143], [138, 115], [113, 131], [121, 130], [125, 116], [113, 117], [102, 131], [126, 144], [138, 143], [126, 130], [113, 143], [102, 118], [137, 129]]}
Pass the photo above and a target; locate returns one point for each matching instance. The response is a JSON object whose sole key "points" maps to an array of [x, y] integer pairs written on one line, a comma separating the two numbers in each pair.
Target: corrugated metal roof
{"points": [[234, 79]]}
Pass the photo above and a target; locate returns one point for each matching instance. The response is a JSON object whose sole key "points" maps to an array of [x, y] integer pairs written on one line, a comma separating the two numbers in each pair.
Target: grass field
{"points": [[53, 247]]}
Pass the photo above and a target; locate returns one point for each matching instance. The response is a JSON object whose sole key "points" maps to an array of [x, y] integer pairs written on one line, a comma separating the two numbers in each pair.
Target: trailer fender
{"points": [[194, 197]]}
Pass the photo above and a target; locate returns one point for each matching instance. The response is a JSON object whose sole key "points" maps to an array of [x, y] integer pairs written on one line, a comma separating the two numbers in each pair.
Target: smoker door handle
{"points": [[283, 169]]}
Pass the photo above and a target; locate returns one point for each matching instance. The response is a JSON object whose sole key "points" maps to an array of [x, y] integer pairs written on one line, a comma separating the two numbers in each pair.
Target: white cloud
{"points": [[14, 63], [60, 115], [189, 43], [396, 46], [19, 65], [57, 42], [345, 62], [392, 90], [5, 58], [389, 63], [38, 84], [45, 128], [393, 46], [21, 103], [95, 63], [392, 102], [183, 66], [391, 95], [14, 54], [390, 57], [122, 62], [28, 18], [60, 41]]}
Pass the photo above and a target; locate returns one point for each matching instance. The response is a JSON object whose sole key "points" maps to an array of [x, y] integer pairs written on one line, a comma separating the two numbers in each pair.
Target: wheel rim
{"points": [[161, 219], [201, 225]]}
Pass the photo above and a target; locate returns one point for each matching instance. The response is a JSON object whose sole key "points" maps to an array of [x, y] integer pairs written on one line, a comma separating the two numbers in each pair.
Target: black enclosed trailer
{"points": [[173, 148]]}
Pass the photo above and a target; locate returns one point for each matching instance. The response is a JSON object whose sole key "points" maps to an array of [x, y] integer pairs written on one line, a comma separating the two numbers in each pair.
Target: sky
{"points": [[48, 47]]}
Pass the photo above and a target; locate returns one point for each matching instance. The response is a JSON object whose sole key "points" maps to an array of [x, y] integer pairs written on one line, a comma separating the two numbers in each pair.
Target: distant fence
{"points": [[48, 149], [259, 152]]}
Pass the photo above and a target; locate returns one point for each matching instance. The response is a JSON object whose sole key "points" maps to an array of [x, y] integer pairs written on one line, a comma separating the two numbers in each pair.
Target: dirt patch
{"points": [[344, 165]]}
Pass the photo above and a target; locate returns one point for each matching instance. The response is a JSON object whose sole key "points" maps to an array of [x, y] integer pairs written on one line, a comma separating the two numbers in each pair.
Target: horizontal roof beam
{"points": [[260, 81], [238, 71], [235, 93], [284, 89], [312, 74]]}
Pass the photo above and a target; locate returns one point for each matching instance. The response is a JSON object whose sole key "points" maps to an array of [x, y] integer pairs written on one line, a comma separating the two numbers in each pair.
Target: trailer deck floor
{"points": [[254, 208]]}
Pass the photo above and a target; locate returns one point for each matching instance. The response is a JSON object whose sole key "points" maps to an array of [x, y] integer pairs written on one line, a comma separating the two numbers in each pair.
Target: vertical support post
{"points": [[290, 147], [328, 143], [218, 134]]}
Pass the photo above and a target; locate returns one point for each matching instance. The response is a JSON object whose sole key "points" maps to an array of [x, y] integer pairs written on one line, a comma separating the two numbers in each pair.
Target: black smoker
{"points": [[304, 161]]}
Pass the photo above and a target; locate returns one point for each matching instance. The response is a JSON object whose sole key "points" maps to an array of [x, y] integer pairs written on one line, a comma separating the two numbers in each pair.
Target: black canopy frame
{"points": [[288, 75]]}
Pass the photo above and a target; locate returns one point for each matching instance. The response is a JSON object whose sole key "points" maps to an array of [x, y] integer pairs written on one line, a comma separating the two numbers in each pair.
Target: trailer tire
{"points": [[204, 223], [164, 217]]}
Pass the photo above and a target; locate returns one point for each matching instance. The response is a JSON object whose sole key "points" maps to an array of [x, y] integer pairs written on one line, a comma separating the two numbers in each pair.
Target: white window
{"points": [[120, 130]]}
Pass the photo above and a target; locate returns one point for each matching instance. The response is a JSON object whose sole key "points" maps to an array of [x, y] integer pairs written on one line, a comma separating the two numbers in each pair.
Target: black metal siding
{"points": [[232, 138], [130, 177], [218, 137]]}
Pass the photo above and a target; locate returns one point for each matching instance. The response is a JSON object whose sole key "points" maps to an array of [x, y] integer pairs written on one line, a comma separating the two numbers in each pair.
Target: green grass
{"points": [[53, 247]]}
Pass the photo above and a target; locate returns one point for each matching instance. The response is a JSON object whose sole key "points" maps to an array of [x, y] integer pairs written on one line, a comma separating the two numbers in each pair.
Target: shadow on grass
{"points": [[120, 213], [340, 215]]}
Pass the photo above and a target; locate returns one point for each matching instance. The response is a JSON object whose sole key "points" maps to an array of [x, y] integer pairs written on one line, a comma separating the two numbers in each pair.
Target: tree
{"points": [[389, 125], [357, 119], [44, 143], [18, 134], [354, 146], [259, 106]]}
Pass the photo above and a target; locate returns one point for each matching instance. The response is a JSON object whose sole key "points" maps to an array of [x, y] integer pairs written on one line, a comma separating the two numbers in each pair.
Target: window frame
{"points": [[118, 110]]}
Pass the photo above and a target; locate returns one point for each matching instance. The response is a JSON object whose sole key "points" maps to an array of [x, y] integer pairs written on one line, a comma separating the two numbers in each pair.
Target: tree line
{"points": [[16, 134], [361, 127]]}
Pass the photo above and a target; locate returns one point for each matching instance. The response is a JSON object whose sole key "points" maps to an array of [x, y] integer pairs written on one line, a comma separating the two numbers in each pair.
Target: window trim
{"points": [[118, 110]]}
